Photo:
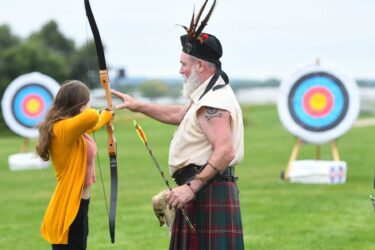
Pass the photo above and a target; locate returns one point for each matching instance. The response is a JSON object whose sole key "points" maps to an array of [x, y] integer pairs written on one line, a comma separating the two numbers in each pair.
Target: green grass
{"points": [[276, 214]]}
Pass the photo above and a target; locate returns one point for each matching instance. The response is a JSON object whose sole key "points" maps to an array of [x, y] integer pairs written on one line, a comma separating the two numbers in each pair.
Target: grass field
{"points": [[276, 214]]}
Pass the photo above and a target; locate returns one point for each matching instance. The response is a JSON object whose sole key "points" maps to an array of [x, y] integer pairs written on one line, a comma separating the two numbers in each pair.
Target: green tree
{"points": [[84, 65], [53, 39], [7, 39], [29, 57], [47, 51], [153, 89]]}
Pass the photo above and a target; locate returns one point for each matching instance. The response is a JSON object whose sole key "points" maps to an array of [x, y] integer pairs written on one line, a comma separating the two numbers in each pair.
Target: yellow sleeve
{"points": [[72, 128], [104, 119]]}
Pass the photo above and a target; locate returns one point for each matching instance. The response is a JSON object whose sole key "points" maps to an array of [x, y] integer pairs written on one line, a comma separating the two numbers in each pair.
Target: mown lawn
{"points": [[276, 214]]}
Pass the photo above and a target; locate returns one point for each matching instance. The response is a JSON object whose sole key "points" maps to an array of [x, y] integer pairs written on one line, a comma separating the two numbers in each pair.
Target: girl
{"points": [[64, 139]]}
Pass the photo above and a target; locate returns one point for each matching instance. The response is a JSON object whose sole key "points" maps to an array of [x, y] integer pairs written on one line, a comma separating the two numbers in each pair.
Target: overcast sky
{"points": [[261, 38]]}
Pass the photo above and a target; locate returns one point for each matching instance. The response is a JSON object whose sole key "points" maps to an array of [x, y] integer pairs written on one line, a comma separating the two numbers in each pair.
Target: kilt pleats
{"points": [[216, 216]]}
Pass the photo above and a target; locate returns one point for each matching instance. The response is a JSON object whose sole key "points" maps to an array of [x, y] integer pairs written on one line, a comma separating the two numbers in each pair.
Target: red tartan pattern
{"points": [[215, 214]]}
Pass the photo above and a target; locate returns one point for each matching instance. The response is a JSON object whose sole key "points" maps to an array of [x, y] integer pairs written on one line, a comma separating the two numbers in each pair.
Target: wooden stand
{"points": [[295, 152], [25, 145]]}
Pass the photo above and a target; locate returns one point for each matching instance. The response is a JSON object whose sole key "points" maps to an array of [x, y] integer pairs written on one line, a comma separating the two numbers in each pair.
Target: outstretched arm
{"points": [[72, 128], [170, 114], [104, 119]]}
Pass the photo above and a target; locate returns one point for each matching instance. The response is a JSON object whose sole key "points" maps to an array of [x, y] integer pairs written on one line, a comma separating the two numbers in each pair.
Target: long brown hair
{"points": [[71, 97]]}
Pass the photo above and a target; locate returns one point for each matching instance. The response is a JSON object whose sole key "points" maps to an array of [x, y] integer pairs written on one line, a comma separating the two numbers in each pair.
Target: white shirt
{"points": [[189, 144]]}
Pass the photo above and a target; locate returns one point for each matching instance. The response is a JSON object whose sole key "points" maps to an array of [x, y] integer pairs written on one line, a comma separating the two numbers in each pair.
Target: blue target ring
{"points": [[37, 94], [318, 103], [26, 101], [325, 85]]}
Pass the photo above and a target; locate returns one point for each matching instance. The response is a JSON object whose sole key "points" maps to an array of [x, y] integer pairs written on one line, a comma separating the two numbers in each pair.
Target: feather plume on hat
{"points": [[193, 32], [203, 45]]}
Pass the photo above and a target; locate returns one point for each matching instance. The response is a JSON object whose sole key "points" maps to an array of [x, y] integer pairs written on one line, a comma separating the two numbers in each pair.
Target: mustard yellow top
{"points": [[69, 157]]}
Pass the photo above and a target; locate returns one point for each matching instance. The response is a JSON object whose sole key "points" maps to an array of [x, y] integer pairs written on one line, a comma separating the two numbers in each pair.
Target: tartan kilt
{"points": [[215, 214]]}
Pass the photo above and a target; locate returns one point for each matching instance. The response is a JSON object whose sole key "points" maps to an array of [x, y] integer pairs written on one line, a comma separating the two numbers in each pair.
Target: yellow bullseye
{"points": [[318, 102], [33, 106]]}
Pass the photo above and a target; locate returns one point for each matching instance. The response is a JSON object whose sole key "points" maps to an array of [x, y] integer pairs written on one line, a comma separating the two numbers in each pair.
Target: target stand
{"points": [[317, 104], [26, 159], [315, 171], [24, 105]]}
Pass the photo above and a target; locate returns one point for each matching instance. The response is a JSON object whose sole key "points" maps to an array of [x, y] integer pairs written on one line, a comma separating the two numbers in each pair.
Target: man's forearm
{"points": [[170, 114], [215, 165]]}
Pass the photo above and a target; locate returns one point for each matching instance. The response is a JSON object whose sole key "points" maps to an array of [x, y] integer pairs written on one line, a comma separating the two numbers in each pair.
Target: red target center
{"points": [[318, 101], [33, 105]]}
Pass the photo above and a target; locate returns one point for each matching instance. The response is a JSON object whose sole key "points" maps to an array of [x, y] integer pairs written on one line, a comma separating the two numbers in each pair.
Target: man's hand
{"points": [[179, 196], [127, 101], [170, 114]]}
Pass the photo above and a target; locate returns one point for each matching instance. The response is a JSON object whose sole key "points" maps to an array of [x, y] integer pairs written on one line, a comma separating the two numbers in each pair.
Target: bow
{"points": [[111, 143]]}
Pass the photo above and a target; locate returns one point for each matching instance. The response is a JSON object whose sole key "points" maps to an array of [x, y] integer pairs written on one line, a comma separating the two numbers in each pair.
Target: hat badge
{"points": [[188, 47]]}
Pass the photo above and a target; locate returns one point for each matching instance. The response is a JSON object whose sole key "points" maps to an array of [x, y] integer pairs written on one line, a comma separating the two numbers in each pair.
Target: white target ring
{"points": [[26, 102], [318, 103]]}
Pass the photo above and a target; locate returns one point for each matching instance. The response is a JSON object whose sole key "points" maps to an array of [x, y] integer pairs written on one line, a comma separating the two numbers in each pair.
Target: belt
{"points": [[185, 174]]}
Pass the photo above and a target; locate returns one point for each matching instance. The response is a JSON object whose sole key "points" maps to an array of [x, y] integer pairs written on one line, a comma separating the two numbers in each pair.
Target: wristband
{"points": [[212, 166], [189, 186]]}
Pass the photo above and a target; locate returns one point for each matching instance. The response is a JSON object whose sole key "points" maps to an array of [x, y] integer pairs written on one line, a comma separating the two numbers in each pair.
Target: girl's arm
{"points": [[72, 128], [104, 119]]}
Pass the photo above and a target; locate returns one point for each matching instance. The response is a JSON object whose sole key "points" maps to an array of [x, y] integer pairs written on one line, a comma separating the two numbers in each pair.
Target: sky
{"points": [[261, 38]]}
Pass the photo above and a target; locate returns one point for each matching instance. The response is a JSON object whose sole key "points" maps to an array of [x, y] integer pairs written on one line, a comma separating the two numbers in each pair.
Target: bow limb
{"points": [[111, 143]]}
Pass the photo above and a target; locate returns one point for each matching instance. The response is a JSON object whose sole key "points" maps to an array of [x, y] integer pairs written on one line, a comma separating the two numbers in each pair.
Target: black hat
{"points": [[205, 46], [198, 44]]}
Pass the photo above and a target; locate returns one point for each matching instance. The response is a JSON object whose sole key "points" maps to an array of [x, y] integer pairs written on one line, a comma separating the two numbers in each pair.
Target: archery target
{"points": [[26, 102], [318, 103]]}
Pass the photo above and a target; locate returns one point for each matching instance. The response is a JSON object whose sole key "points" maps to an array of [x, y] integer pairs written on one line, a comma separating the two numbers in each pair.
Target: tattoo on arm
{"points": [[212, 113]]}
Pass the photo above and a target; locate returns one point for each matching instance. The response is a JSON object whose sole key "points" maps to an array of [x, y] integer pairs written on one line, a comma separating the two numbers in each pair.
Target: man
{"points": [[206, 145]]}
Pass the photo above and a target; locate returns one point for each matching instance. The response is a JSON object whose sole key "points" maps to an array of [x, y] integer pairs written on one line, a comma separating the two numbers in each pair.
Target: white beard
{"points": [[190, 84]]}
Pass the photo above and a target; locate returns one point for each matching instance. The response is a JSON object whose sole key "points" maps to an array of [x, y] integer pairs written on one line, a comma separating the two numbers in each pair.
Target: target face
{"points": [[318, 104], [26, 102]]}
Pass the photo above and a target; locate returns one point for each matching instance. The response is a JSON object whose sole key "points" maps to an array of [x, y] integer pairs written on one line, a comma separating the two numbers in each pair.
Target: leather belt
{"points": [[185, 174]]}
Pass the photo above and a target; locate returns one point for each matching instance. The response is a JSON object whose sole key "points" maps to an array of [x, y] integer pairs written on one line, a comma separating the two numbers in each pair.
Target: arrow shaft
{"points": [[158, 166]]}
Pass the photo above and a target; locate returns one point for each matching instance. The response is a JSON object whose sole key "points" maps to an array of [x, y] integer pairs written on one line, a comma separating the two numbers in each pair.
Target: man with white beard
{"points": [[206, 146]]}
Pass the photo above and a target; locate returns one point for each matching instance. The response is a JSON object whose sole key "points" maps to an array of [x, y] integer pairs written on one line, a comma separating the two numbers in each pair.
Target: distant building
{"points": [[120, 77]]}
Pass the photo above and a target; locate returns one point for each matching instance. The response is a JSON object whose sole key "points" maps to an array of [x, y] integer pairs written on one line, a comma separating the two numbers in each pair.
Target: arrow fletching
{"points": [[140, 132]]}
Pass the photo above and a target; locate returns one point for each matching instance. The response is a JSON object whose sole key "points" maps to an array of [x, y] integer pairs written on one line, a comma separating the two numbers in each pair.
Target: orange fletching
{"points": [[140, 132]]}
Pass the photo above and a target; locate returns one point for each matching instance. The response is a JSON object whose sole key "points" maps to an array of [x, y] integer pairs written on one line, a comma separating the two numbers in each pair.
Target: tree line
{"points": [[47, 51]]}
